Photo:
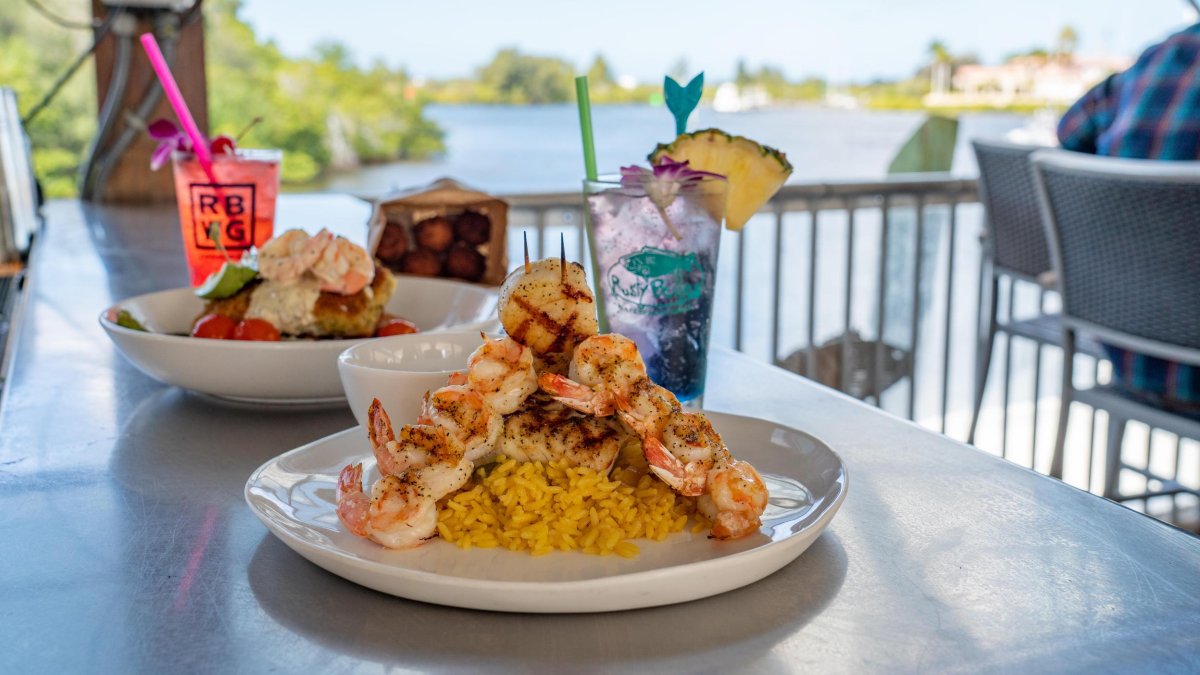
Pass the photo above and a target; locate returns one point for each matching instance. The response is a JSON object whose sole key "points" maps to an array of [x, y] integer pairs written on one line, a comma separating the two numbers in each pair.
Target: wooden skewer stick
{"points": [[528, 267], [562, 256]]}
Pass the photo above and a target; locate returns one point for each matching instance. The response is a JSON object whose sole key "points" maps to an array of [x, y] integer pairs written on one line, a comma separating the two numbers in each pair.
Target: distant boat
{"points": [[731, 98], [841, 100]]}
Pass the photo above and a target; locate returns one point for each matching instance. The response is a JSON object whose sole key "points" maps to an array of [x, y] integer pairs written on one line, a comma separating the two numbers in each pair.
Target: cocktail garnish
{"points": [[169, 138], [681, 101], [231, 278], [125, 320], [663, 183]]}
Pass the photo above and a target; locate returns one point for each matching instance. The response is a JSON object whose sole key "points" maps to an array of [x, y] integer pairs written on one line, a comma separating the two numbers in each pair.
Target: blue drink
{"points": [[655, 270]]}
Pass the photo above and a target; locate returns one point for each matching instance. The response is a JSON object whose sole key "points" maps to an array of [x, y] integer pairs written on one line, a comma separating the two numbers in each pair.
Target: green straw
{"points": [[589, 168], [585, 126]]}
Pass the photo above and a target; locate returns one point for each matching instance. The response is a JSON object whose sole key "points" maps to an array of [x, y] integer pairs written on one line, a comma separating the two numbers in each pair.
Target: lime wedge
{"points": [[226, 281], [126, 320]]}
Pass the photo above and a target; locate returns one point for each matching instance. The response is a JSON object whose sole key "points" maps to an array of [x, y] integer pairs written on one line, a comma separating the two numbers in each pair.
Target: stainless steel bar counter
{"points": [[127, 546]]}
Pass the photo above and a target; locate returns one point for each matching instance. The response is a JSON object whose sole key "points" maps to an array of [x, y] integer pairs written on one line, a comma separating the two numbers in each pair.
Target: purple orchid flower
{"points": [[170, 138], [663, 181]]}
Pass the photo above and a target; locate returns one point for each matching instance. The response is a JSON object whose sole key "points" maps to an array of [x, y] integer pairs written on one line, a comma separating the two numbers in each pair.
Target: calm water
{"points": [[528, 149], [514, 150]]}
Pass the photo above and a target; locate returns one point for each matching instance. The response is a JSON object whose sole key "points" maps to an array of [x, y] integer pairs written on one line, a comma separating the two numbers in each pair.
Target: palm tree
{"points": [[939, 52], [939, 70], [1068, 40]]}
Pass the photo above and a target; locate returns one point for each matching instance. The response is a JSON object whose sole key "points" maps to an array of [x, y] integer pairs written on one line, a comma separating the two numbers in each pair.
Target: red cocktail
{"points": [[241, 203]]}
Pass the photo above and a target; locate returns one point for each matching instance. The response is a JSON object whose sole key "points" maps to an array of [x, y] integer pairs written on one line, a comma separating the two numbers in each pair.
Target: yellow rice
{"points": [[540, 508]]}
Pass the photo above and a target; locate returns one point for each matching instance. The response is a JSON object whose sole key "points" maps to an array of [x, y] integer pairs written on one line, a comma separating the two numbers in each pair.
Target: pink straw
{"points": [[175, 97]]}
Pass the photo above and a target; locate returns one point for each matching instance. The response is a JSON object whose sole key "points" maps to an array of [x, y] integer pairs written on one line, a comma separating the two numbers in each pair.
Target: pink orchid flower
{"points": [[170, 138]]}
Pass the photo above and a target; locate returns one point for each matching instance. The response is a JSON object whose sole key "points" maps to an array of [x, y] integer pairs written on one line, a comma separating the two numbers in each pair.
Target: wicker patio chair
{"points": [[1124, 240], [1015, 247]]}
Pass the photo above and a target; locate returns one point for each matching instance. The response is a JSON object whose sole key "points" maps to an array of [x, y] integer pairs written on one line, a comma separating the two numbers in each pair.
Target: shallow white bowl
{"points": [[292, 371], [294, 495], [398, 370]]}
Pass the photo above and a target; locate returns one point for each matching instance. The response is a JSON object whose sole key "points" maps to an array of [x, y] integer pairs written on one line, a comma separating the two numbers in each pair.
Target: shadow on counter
{"points": [[722, 633]]}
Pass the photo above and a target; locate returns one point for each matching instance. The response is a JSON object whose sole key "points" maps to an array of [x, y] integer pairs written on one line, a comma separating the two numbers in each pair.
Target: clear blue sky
{"points": [[840, 39]]}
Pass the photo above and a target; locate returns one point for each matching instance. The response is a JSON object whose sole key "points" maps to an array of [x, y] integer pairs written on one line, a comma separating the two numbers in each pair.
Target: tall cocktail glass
{"points": [[654, 269], [241, 203]]}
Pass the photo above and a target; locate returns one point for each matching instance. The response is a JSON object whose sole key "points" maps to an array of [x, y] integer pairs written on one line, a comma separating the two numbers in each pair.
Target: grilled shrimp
{"points": [[607, 374], [392, 457], [735, 499], [686, 451], [645, 407], [544, 433], [466, 416], [420, 447], [545, 309], [341, 266], [399, 513], [501, 371], [286, 257], [603, 369]]}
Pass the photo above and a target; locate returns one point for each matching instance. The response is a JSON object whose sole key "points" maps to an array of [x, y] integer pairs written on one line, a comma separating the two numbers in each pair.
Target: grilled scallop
{"points": [[546, 310]]}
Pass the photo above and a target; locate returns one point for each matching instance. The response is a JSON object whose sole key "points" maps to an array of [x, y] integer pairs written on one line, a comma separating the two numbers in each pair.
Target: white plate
{"points": [[300, 371], [293, 495]]}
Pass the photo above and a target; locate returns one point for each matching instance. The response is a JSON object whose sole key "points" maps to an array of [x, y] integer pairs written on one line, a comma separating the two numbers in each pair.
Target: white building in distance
{"points": [[1025, 80]]}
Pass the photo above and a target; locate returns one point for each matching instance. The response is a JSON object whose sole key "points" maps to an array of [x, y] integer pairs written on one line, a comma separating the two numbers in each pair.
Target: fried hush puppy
{"points": [[435, 234], [472, 227], [464, 262], [393, 244], [421, 262]]}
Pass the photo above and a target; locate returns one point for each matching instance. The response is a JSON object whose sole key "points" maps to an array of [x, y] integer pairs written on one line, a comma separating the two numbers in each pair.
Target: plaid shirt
{"points": [[1151, 111]]}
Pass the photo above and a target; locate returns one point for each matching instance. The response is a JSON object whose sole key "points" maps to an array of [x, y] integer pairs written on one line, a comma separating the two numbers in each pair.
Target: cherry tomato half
{"points": [[256, 329], [213, 326], [396, 326]]}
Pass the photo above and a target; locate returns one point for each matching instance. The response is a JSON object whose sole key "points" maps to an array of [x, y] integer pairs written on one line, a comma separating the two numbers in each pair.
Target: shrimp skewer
{"points": [[689, 447], [603, 369], [422, 466], [466, 416], [607, 374], [735, 499], [425, 450], [681, 448], [595, 402], [397, 514], [501, 371], [545, 433]]}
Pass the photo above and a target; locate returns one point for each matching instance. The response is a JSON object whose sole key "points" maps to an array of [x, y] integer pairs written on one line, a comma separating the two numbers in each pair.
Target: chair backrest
{"points": [[1125, 241], [1009, 196]]}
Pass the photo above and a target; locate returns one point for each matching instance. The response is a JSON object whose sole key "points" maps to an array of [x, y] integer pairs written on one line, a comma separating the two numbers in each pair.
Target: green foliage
{"points": [[302, 102], [324, 111], [513, 77], [776, 84], [600, 74], [35, 53]]}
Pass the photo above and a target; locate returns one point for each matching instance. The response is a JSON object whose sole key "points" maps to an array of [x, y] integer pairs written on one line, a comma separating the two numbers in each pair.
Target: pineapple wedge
{"points": [[755, 172]]}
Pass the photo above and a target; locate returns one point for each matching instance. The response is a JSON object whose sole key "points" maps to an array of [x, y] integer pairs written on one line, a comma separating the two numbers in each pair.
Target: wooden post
{"points": [[131, 181]]}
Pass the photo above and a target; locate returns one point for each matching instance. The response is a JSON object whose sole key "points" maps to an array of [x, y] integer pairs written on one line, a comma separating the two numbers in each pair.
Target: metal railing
{"points": [[876, 289]]}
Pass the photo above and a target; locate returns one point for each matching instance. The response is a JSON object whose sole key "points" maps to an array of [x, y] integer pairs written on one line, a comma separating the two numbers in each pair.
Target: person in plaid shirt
{"points": [[1151, 111]]}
